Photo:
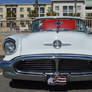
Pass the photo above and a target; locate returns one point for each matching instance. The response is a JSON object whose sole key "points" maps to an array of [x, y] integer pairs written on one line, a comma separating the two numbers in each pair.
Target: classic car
{"points": [[58, 50]]}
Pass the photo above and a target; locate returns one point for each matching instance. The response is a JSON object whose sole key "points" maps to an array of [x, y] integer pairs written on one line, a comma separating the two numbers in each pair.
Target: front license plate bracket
{"points": [[57, 80]]}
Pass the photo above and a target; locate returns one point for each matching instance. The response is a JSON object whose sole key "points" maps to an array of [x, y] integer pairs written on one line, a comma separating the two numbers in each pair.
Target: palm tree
{"points": [[32, 14], [75, 7], [51, 13], [36, 7]]}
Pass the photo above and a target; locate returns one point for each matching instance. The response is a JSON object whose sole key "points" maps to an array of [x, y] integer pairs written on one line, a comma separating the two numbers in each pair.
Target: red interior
{"points": [[66, 24]]}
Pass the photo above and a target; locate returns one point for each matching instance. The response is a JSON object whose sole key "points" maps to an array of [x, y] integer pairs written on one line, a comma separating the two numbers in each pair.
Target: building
{"points": [[21, 8], [68, 7], [18, 10], [88, 9]]}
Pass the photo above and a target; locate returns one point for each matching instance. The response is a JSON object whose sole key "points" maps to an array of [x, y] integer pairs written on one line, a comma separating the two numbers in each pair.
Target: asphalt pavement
{"points": [[7, 85]]}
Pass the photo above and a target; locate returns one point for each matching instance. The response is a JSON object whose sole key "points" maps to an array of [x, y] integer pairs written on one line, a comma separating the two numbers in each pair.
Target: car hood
{"points": [[42, 43]]}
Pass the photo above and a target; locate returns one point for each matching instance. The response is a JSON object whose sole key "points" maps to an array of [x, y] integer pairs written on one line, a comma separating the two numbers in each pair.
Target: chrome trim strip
{"points": [[53, 56], [4, 64], [32, 77], [43, 77], [84, 77]]}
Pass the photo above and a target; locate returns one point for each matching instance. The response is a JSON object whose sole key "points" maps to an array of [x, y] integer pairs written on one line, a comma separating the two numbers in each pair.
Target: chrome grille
{"points": [[75, 66], [35, 66], [51, 65]]}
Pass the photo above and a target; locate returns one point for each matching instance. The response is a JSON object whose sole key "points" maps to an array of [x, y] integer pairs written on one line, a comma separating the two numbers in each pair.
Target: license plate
{"points": [[57, 80]]}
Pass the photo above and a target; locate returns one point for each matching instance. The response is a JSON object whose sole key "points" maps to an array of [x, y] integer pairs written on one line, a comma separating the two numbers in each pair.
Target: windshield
{"points": [[58, 25]]}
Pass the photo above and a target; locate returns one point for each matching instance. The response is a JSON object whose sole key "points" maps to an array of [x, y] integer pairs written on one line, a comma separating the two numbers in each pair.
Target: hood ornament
{"points": [[58, 25], [57, 44]]}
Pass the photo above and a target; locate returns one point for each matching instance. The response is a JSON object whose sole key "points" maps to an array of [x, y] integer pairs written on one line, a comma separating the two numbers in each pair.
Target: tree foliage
{"points": [[51, 13], [32, 13]]}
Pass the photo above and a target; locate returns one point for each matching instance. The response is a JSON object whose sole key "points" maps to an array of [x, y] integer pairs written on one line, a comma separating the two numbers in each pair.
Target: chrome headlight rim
{"points": [[8, 40]]}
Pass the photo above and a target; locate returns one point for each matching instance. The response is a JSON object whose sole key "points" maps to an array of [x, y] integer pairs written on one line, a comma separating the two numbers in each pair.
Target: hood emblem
{"points": [[57, 44]]}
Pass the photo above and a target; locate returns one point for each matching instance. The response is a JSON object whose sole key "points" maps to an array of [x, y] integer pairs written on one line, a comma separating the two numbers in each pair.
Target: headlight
{"points": [[9, 46]]}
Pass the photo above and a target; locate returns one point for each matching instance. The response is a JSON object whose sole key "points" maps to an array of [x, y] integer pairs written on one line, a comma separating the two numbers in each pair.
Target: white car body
{"points": [[74, 45], [34, 43]]}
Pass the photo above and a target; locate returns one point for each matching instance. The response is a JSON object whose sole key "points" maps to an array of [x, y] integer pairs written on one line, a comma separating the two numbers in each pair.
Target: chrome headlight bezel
{"points": [[9, 46]]}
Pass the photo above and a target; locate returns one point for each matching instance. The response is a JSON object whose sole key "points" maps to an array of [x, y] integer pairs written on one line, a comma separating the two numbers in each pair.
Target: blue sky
{"points": [[3, 2], [24, 1]]}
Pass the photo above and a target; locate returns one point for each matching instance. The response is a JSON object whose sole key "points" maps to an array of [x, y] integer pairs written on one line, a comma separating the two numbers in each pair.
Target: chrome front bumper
{"points": [[9, 72], [43, 77]]}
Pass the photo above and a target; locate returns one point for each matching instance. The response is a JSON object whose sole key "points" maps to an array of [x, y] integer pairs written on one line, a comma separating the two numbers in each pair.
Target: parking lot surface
{"points": [[7, 85]]}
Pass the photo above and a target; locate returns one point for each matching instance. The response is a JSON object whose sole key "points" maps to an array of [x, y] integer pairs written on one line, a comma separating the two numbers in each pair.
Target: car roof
{"points": [[48, 17]]}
